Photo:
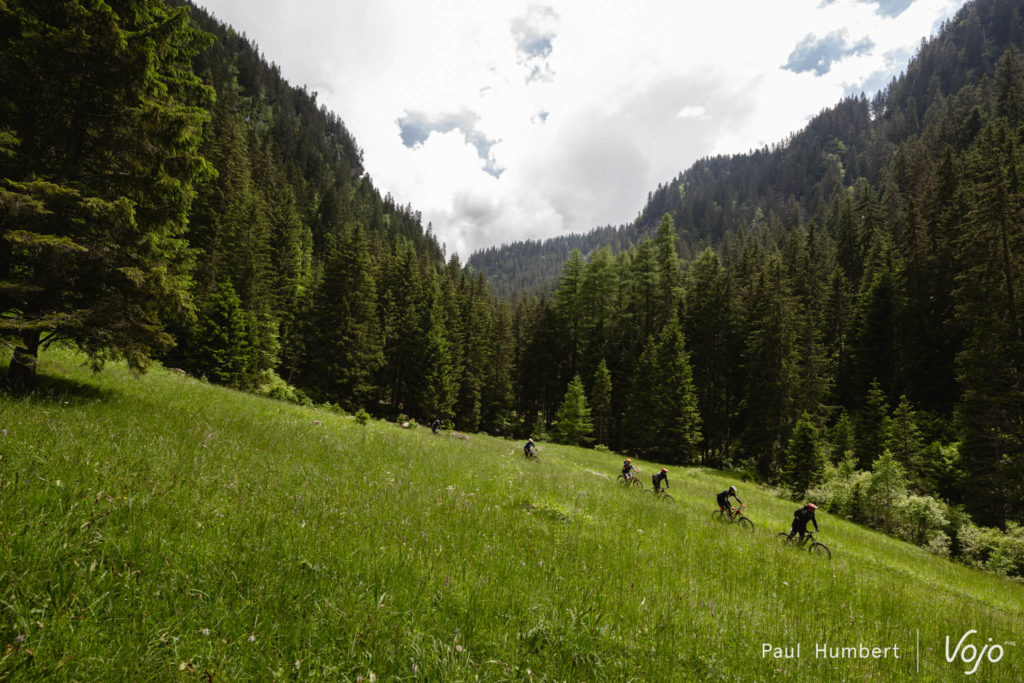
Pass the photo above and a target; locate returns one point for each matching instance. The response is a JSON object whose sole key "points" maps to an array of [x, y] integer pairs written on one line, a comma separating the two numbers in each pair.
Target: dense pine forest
{"points": [[835, 315]]}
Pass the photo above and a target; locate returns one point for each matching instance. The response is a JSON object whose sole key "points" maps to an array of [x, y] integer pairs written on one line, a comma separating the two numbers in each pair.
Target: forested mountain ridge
{"points": [[855, 139]]}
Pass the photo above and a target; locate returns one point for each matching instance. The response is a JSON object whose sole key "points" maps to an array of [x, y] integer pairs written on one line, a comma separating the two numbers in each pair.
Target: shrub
{"points": [[922, 520]]}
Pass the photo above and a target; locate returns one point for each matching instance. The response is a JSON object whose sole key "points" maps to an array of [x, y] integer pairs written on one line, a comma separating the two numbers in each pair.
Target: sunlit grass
{"points": [[157, 527]]}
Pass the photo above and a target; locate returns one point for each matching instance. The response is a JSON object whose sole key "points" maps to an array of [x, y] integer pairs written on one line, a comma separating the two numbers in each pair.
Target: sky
{"points": [[507, 120]]}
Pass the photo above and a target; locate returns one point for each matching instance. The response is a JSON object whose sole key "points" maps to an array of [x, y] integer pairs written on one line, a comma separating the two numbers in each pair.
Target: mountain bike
{"points": [[816, 548], [660, 494], [629, 482], [734, 515]]}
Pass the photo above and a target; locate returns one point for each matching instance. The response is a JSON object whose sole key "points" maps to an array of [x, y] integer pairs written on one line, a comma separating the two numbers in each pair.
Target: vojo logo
{"points": [[970, 654]]}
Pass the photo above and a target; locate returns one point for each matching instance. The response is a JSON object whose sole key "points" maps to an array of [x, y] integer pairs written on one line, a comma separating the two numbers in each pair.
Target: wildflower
{"points": [[206, 631], [20, 638], [252, 638]]}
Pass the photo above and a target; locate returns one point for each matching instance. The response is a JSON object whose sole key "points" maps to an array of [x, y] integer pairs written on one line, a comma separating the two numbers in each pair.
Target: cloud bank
{"points": [[525, 119]]}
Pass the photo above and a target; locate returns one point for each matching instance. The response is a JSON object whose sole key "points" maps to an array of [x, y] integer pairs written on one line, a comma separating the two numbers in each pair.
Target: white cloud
{"points": [[583, 105], [692, 111]]}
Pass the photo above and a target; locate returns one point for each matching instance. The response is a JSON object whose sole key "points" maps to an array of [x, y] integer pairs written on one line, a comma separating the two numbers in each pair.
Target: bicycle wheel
{"points": [[745, 524], [637, 484], [785, 537], [820, 550], [718, 516], [621, 480], [666, 497]]}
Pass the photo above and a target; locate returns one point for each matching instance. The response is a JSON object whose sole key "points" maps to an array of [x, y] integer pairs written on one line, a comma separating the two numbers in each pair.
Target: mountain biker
{"points": [[530, 448], [658, 478], [723, 499], [435, 426], [800, 519], [628, 469]]}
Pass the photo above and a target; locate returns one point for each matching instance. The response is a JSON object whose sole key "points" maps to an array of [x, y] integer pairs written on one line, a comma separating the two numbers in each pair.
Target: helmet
{"points": [[664, 469], [732, 489], [530, 439], [812, 506], [628, 460]]}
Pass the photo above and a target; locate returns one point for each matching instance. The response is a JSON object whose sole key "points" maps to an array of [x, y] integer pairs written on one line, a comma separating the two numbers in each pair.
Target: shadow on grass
{"points": [[53, 389]]}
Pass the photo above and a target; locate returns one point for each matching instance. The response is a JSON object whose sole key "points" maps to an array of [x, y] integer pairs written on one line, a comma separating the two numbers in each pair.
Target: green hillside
{"points": [[161, 528]]}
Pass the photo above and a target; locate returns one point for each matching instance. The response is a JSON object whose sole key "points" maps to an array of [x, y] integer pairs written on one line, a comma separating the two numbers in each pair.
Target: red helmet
{"points": [[812, 506], [664, 469], [628, 460]]}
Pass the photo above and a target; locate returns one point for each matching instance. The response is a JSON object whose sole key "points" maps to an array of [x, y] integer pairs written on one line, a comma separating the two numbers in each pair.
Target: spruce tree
{"points": [[769, 360], [677, 418], [805, 462], [869, 427], [572, 421], [220, 347], [100, 159], [640, 425], [601, 402], [344, 349], [710, 328]]}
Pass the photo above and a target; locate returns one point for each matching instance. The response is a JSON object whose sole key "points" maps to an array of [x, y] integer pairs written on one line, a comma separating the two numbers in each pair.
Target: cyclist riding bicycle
{"points": [[657, 479], [530, 448], [628, 470], [800, 519], [723, 499]]}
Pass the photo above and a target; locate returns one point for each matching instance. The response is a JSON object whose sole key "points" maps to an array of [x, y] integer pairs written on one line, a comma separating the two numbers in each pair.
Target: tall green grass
{"points": [[161, 528]]}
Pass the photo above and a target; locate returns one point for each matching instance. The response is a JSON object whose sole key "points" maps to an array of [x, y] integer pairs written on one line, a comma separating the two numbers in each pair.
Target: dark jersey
{"points": [[659, 479], [723, 498], [802, 516]]}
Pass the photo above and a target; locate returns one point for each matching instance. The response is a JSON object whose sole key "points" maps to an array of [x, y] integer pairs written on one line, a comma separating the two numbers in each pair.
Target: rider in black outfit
{"points": [[800, 519], [723, 499], [657, 479]]}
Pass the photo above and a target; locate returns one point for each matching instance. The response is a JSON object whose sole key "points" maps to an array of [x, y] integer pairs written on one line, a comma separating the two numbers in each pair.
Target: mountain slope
{"points": [[795, 179], [158, 526]]}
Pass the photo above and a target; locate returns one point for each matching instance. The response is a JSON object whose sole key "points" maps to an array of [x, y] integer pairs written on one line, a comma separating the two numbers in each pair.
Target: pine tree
{"points": [[344, 349], [601, 402], [870, 424], [572, 421], [990, 366], [220, 346], [710, 328], [677, 419], [885, 491], [599, 303], [769, 360], [640, 426], [670, 279], [99, 170], [903, 440], [805, 462], [569, 305]]}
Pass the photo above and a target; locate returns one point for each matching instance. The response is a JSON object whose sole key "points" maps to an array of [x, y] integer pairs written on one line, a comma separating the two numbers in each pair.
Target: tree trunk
{"points": [[21, 375]]}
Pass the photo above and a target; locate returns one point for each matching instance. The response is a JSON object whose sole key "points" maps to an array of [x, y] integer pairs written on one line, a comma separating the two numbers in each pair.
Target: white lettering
{"points": [[970, 655], [858, 651], [780, 652]]}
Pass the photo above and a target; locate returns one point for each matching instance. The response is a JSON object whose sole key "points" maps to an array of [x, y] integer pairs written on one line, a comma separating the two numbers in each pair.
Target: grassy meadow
{"points": [[160, 528]]}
